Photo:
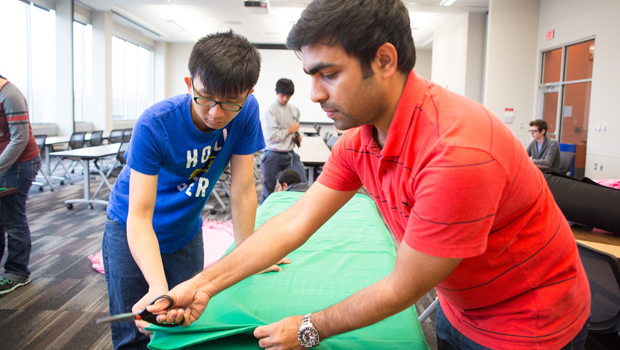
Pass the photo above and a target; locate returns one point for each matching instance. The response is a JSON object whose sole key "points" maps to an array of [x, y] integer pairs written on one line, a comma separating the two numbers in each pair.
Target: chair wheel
{"points": [[212, 211], [90, 206], [41, 189], [51, 190], [62, 182], [69, 205]]}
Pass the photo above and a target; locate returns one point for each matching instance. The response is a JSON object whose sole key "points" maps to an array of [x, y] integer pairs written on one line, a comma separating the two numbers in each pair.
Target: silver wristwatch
{"points": [[308, 336]]}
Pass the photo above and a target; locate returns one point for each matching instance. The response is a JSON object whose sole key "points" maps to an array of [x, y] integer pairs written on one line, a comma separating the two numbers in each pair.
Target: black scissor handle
{"points": [[152, 318]]}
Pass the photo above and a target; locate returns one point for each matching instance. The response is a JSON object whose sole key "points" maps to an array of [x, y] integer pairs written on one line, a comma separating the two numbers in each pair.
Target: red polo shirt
{"points": [[454, 182]]}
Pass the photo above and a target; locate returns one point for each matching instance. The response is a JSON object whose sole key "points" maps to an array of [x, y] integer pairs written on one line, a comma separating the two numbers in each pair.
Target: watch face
{"points": [[308, 337]]}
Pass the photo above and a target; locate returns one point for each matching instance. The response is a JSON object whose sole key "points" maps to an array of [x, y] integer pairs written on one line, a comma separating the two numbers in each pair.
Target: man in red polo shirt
{"points": [[474, 215]]}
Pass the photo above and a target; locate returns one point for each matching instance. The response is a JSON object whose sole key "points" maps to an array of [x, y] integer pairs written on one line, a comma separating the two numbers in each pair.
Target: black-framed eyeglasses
{"points": [[207, 102], [533, 131]]}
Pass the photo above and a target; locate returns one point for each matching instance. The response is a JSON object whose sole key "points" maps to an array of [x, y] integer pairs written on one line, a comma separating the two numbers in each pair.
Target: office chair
{"points": [[77, 141], [116, 136], [327, 135], [96, 138], [119, 160], [40, 139], [603, 271], [331, 141], [127, 134], [566, 162]]}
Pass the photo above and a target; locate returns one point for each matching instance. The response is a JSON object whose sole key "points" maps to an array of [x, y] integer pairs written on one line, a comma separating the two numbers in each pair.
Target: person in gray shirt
{"points": [[19, 165], [280, 123], [543, 150]]}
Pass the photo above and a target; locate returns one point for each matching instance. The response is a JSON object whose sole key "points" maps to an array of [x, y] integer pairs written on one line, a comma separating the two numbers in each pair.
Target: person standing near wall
{"points": [[280, 122], [19, 165]]}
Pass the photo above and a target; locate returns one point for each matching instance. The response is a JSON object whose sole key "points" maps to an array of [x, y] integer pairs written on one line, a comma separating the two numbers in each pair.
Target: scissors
{"points": [[143, 315]]}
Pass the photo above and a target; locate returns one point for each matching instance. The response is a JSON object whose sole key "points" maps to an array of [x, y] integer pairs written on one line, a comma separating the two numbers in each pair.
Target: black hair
{"points": [[541, 125], [285, 87], [288, 176], [227, 63], [360, 26], [3, 77]]}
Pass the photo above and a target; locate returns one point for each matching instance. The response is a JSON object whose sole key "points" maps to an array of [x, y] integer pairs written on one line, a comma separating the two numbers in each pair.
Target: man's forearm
{"points": [[243, 208], [364, 308], [144, 248]]}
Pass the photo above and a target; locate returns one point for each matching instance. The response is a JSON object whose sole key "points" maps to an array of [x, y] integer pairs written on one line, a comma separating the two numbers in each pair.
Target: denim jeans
{"points": [[13, 219], [449, 338], [126, 284], [273, 162]]}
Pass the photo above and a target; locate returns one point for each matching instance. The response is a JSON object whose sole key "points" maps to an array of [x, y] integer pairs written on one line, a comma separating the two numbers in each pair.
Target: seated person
{"points": [[543, 150], [289, 180]]}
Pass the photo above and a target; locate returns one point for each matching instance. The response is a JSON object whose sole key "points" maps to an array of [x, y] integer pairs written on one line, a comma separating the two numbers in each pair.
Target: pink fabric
{"points": [[613, 183], [97, 262], [217, 237]]}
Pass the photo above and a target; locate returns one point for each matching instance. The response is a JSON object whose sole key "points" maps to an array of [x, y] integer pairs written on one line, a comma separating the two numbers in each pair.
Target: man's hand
{"points": [[190, 302], [280, 335], [152, 294], [276, 268], [293, 128]]}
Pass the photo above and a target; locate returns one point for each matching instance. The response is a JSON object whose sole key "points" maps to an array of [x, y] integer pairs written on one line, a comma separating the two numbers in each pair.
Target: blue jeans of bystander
{"points": [[126, 284], [13, 220]]}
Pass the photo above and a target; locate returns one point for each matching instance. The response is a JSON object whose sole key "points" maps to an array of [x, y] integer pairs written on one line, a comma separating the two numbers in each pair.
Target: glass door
{"points": [[565, 100]]}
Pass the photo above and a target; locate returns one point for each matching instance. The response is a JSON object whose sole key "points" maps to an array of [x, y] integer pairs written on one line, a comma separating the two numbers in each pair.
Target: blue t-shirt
{"points": [[165, 142]]}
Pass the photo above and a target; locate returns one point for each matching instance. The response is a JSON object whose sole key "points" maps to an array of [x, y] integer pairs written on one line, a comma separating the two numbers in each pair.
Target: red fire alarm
{"points": [[550, 34]]}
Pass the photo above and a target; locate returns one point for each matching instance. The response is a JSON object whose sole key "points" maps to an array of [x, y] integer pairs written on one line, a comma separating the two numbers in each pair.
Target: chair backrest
{"points": [[116, 136], [96, 137], [40, 139], [127, 134], [327, 135], [603, 271], [566, 162], [331, 141], [77, 140], [121, 152], [318, 129]]}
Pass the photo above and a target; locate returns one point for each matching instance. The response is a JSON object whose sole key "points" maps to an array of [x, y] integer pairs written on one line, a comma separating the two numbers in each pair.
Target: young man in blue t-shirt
{"points": [[178, 150]]}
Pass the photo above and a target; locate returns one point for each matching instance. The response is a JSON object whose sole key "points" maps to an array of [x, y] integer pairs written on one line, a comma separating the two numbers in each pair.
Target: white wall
{"points": [[574, 20], [64, 67], [275, 64], [458, 55], [424, 63], [177, 58], [449, 62], [278, 64], [510, 77]]}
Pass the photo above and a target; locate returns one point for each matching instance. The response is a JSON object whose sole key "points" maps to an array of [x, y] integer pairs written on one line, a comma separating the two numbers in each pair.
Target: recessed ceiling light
{"points": [[446, 2]]}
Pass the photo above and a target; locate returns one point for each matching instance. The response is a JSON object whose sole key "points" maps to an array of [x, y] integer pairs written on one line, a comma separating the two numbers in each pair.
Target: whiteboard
{"points": [[278, 64]]}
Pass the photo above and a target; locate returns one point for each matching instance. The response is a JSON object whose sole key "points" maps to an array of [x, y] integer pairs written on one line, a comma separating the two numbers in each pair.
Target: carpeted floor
{"points": [[57, 310]]}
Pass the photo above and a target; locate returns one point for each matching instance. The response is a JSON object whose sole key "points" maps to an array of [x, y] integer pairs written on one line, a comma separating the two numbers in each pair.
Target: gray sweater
{"points": [[549, 154], [276, 120]]}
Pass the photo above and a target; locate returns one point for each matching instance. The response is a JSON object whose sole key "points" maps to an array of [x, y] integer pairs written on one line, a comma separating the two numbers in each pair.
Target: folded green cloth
{"points": [[348, 253]]}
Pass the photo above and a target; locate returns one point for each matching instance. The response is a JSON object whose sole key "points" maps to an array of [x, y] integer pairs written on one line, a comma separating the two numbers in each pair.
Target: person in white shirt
{"points": [[280, 123]]}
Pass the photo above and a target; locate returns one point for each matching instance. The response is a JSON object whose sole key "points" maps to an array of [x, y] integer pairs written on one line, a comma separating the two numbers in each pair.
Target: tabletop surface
{"points": [[313, 150], [64, 139], [304, 129], [89, 152]]}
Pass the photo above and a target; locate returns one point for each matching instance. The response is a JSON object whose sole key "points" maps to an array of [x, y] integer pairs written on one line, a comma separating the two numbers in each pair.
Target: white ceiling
{"points": [[196, 18]]}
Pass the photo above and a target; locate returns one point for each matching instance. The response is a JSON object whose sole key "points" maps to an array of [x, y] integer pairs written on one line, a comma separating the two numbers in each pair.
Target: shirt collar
{"points": [[415, 87]]}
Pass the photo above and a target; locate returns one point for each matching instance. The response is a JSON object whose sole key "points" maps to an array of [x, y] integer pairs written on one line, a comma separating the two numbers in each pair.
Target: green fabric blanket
{"points": [[351, 251]]}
